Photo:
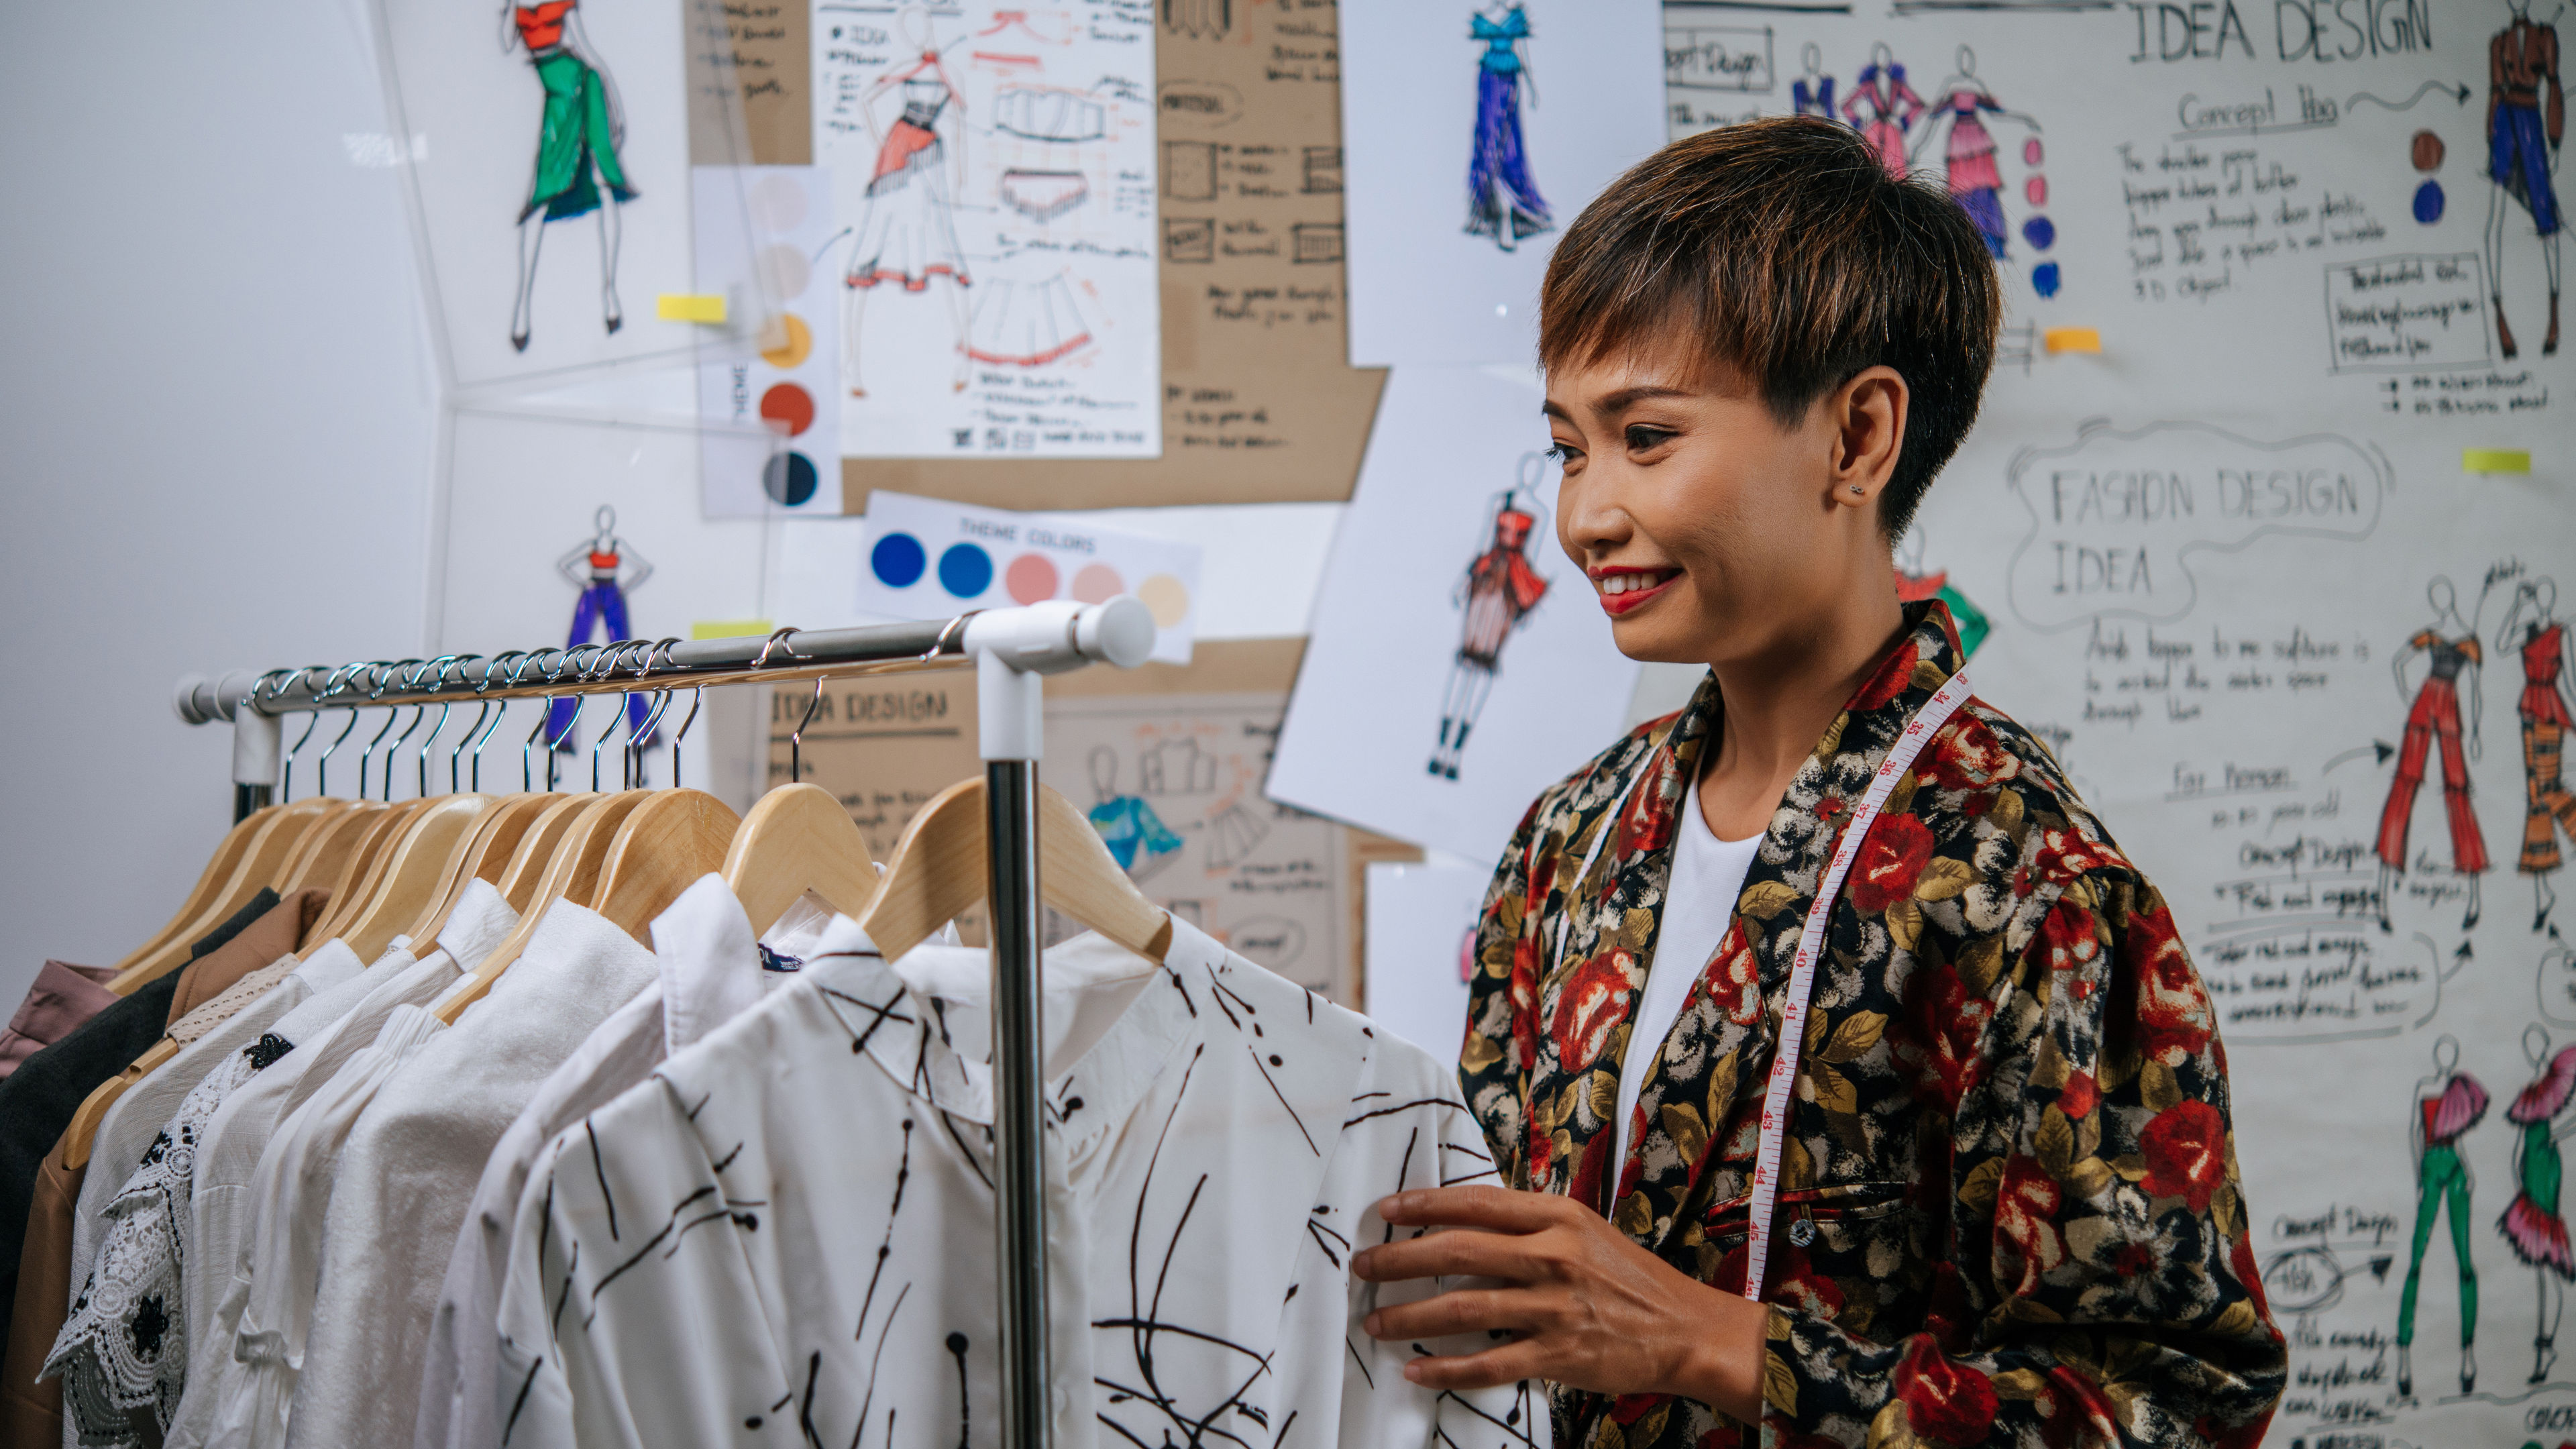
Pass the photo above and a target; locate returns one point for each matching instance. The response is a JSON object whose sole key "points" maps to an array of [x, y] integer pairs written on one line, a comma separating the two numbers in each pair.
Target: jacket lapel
{"points": [[1720, 1047]]}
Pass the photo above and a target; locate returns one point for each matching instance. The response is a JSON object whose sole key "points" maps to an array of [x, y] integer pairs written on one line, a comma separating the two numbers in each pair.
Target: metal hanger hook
{"points": [[337, 681], [635, 745], [796, 736]]}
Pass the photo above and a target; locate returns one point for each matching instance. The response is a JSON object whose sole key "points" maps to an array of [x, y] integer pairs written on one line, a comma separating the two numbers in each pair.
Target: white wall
{"points": [[216, 427]]}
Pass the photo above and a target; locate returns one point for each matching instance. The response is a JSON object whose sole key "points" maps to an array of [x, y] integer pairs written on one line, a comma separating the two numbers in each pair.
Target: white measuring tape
{"points": [[1765, 1196]]}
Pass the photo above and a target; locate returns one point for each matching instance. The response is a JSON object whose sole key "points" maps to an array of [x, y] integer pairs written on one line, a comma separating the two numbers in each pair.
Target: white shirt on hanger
{"points": [[1699, 906], [691, 1262], [284, 1256], [319, 1037], [139, 1115], [710, 969], [411, 1165]]}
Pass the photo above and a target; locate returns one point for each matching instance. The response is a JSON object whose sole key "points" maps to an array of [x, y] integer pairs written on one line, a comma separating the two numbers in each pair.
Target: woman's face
{"points": [[1709, 531]]}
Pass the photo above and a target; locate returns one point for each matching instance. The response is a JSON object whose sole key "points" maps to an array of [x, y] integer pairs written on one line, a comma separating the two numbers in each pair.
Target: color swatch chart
{"points": [[929, 559], [772, 437]]}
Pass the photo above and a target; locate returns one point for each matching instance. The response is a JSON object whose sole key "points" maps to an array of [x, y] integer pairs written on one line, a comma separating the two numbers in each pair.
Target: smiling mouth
{"points": [[1625, 592]]}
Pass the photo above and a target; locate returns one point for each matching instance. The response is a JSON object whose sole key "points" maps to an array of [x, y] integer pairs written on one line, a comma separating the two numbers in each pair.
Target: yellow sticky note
{"points": [[690, 307], [2494, 460], [727, 628], [2072, 339]]}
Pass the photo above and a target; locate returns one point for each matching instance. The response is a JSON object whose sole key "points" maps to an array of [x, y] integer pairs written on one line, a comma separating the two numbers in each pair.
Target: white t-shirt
{"points": [[1699, 905]]}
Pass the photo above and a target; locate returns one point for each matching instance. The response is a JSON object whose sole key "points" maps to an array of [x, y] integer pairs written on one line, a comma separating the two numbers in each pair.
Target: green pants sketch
{"points": [[2444, 1182]]}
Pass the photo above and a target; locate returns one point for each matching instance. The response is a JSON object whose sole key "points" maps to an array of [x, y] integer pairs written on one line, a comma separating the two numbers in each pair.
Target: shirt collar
{"points": [[481, 921], [1091, 1097]]}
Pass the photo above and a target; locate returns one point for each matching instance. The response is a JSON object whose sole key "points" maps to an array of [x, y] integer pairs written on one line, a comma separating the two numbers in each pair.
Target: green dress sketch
{"points": [[2531, 1223], [2445, 1114], [579, 131]]}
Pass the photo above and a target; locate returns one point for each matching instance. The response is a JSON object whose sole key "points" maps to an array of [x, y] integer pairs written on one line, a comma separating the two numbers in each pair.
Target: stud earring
{"points": [[1856, 488]]}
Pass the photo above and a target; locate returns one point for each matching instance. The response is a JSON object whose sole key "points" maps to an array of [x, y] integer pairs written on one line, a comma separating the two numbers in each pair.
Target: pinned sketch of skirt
{"points": [[908, 234], [1974, 182], [1026, 324], [2531, 1222], [576, 142], [2518, 160]]}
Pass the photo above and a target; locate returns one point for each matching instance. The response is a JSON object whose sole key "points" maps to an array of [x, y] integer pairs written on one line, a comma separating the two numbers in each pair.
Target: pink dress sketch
{"points": [[1500, 589], [1885, 108], [2531, 1223], [1976, 183], [908, 234]]}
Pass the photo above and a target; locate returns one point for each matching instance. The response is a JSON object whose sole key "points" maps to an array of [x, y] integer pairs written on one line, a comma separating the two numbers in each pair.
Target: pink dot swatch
{"points": [[1030, 578], [1097, 584]]}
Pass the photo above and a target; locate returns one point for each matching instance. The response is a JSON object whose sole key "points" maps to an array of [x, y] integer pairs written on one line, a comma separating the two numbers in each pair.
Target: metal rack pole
{"points": [[1013, 649]]}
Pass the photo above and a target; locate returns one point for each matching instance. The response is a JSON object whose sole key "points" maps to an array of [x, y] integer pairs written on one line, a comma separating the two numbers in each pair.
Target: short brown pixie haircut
{"points": [[1791, 260]]}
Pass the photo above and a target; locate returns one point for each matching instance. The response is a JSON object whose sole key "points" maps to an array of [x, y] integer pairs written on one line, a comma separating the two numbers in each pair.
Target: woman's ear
{"points": [[1868, 418]]}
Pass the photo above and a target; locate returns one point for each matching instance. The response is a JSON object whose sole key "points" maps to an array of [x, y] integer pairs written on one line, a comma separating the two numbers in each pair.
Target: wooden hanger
{"points": [[482, 855], [327, 847], [667, 845], [356, 883], [219, 868], [415, 870], [572, 874], [797, 838], [260, 867], [518, 881], [938, 871]]}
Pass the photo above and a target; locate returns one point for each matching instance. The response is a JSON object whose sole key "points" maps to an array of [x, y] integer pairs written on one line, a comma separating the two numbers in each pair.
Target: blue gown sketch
{"points": [[1502, 201]]}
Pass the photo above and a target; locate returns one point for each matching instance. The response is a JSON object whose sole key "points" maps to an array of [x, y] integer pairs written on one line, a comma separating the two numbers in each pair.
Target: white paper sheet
{"points": [[475, 105], [1420, 950], [929, 559], [994, 170], [1384, 690], [1448, 234]]}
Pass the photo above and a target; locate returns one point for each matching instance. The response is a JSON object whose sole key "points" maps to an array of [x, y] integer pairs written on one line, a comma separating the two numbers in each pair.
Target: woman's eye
{"points": [[1559, 453], [1644, 439]]}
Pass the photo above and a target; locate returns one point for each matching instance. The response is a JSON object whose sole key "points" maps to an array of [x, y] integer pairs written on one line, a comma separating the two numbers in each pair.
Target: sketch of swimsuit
{"points": [[1042, 196], [909, 233], [1026, 324], [2531, 1223], [1892, 108], [2442, 1184], [2435, 718], [1502, 200], [2522, 146], [1499, 591], [1042, 113]]}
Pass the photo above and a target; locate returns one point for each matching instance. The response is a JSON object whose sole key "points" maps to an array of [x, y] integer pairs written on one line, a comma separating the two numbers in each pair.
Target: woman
{"points": [[1996, 1145]]}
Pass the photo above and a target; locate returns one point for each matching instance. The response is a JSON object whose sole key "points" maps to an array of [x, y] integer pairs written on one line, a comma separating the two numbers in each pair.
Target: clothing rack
{"points": [[1011, 651]]}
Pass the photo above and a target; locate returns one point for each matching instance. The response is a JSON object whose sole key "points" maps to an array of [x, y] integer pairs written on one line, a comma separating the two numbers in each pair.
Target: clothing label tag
{"points": [[1918, 731]]}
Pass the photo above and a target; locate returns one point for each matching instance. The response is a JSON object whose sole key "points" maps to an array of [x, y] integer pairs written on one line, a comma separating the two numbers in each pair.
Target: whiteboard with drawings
{"points": [[2310, 669]]}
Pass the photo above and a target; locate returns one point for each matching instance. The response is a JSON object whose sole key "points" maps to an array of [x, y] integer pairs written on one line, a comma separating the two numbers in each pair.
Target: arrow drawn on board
{"points": [[2460, 93], [2384, 748]]}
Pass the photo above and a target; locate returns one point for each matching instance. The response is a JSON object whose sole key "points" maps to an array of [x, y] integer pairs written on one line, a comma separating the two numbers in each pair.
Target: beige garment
{"points": [[31, 1413]]}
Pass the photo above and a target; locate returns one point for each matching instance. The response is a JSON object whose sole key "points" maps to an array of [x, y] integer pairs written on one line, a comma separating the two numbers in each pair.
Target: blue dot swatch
{"points": [[2043, 279], [788, 479], [898, 560], [2428, 202], [965, 570], [2040, 232]]}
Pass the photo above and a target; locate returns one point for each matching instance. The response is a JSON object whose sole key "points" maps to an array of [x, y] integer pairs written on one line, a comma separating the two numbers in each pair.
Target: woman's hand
{"points": [[1585, 1306]]}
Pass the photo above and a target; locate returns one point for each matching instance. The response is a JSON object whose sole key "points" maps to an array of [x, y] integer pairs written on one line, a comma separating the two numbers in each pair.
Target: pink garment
{"points": [[62, 997], [1971, 149], [1892, 107], [2547, 1094], [2455, 1111]]}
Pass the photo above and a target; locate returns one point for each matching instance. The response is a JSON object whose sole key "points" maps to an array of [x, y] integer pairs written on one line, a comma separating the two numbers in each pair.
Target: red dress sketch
{"points": [[2549, 807], [1499, 591], [2532, 1224], [2435, 719], [908, 232], [1891, 105]]}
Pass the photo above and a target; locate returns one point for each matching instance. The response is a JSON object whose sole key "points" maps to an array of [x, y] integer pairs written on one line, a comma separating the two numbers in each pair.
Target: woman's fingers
{"points": [[1498, 1208], [1449, 1255], [1469, 1310], [1502, 1364]]}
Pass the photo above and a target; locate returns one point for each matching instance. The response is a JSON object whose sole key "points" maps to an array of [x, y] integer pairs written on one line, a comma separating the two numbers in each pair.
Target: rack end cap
{"points": [[185, 703], [1118, 631]]}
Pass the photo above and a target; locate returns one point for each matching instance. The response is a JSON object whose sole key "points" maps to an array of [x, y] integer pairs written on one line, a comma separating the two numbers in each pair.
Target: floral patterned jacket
{"points": [[2009, 1208]]}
